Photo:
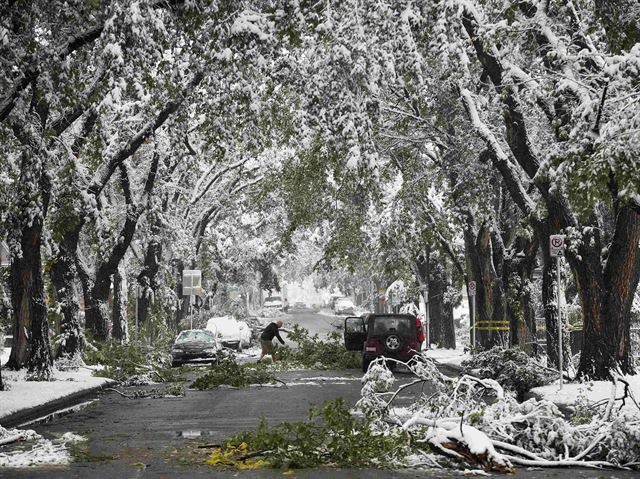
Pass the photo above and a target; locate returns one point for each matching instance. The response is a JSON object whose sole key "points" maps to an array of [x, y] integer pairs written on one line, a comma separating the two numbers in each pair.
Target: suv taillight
{"points": [[371, 346], [419, 330]]}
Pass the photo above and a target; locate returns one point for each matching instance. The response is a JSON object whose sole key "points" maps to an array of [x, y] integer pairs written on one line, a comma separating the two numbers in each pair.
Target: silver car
{"points": [[194, 345]]}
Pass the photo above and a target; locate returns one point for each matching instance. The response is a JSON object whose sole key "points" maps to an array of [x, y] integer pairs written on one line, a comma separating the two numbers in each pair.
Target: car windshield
{"points": [[400, 324], [192, 336]]}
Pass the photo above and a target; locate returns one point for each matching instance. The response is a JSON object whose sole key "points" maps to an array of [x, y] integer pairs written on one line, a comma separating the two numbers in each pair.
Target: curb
{"points": [[30, 414]]}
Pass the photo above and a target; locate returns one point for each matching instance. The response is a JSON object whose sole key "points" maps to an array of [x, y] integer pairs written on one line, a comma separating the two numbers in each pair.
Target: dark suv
{"points": [[397, 336]]}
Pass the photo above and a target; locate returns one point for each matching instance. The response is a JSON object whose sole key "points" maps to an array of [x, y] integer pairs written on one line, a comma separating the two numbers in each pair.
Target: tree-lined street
{"points": [[172, 165]]}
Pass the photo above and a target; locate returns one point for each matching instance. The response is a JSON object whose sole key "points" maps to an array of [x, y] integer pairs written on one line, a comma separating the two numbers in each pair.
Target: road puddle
{"points": [[194, 434]]}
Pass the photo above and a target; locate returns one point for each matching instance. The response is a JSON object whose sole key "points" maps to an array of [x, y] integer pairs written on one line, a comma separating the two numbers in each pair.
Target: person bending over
{"points": [[266, 339]]}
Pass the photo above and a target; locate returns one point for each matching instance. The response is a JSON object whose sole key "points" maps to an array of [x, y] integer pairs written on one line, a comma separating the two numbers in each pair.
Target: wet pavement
{"points": [[161, 437]]}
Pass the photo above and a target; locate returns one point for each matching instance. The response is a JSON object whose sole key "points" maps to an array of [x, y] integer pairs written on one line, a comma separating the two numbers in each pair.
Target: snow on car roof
{"points": [[194, 335]]}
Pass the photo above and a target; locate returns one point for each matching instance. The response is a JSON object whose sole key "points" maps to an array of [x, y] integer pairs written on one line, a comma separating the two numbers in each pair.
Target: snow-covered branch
{"points": [[104, 172], [510, 174]]}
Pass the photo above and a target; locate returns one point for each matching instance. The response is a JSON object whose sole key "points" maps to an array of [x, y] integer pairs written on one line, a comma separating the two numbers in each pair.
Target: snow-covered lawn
{"points": [[32, 449], [593, 391], [452, 357], [23, 394], [589, 392]]}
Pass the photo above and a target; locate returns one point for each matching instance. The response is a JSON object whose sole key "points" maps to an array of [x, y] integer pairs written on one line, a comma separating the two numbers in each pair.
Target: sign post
{"points": [[191, 286], [472, 293], [5, 254], [556, 248], [424, 303]]}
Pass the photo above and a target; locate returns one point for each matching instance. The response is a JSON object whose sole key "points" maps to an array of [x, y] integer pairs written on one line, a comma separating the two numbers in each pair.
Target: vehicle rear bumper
{"points": [[404, 356]]}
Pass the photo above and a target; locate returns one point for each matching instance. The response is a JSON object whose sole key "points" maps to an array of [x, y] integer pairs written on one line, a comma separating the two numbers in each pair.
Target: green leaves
{"points": [[315, 353], [230, 373], [330, 437]]}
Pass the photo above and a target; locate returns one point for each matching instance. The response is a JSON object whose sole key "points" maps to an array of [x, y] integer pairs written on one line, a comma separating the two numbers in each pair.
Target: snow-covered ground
{"points": [[33, 449], [593, 391], [590, 392], [23, 394], [452, 357]]}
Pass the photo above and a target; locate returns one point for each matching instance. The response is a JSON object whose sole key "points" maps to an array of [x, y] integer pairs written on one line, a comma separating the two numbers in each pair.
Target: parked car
{"points": [[194, 344], [332, 300], [299, 307], [256, 325], [397, 336], [344, 307], [273, 302], [230, 332]]}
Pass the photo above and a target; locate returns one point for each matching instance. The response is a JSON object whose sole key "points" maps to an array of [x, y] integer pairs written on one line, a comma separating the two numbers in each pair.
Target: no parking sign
{"points": [[556, 245]]}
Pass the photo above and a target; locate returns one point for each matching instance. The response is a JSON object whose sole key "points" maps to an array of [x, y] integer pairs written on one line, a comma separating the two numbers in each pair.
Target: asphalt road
{"points": [[161, 438]]}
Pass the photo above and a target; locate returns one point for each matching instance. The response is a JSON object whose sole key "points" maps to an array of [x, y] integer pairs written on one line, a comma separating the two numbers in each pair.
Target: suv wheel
{"points": [[393, 342]]}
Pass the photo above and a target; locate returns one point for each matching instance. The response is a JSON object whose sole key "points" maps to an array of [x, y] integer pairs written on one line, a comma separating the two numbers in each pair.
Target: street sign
{"points": [[191, 282], [556, 248], [472, 288], [5, 254], [556, 245]]}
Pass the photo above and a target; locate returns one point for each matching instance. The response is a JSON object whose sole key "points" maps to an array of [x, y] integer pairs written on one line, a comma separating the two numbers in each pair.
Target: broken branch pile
{"points": [[475, 421]]}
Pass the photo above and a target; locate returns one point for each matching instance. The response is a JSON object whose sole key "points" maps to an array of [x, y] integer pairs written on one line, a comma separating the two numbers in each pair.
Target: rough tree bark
{"points": [[182, 303], [31, 347], [63, 279], [120, 329], [490, 296], [68, 225], [606, 294], [518, 270], [441, 310], [147, 280]]}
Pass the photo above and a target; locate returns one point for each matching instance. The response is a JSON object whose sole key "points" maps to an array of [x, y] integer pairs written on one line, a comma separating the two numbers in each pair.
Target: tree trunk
{"points": [[421, 269], [120, 330], [31, 347], [490, 312], [97, 308], [518, 270], [182, 303], [148, 283], [606, 300], [63, 276], [550, 305], [5, 313], [441, 306], [474, 274], [437, 289]]}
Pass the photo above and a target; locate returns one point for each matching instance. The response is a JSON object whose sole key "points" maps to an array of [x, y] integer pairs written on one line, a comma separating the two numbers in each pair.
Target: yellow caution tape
{"points": [[492, 325]]}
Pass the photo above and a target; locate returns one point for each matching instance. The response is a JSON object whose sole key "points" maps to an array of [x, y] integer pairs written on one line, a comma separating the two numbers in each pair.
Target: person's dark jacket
{"points": [[270, 332]]}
